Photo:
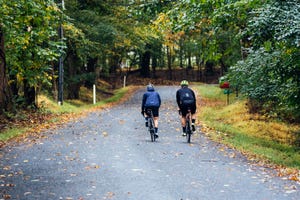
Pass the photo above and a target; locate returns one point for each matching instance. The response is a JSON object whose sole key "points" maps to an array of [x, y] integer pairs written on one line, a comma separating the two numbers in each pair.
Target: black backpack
{"points": [[187, 97]]}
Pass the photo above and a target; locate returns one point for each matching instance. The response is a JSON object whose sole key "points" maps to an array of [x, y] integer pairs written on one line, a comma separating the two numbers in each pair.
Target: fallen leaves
{"points": [[73, 174], [109, 195], [37, 123], [290, 174], [7, 168], [290, 189], [27, 193], [6, 196], [93, 166], [8, 185], [178, 154], [104, 134], [294, 177]]}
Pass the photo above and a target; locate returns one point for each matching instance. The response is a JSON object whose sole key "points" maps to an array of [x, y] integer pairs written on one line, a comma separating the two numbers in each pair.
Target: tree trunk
{"points": [[145, 63], [73, 83], [114, 64], [154, 66], [181, 53], [5, 94], [54, 83], [224, 68], [199, 70], [91, 69], [169, 58], [189, 60], [29, 94]]}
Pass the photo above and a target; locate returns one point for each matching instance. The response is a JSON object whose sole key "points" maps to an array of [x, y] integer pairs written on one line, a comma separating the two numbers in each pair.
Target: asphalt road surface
{"points": [[109, 155]]}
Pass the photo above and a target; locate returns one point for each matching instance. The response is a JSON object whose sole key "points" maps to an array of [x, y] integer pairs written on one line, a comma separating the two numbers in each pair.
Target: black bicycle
{"points": [[188, 126], [150, 121]]}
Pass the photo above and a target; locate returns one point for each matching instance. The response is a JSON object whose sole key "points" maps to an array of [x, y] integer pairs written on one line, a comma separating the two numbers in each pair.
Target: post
{"points": [[60, 81], [94, 94], [61, 67], [124, 81]]}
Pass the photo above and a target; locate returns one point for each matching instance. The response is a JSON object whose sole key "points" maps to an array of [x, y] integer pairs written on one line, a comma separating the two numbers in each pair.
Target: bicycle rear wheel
{"points": [[151, 129], [188, 132]]}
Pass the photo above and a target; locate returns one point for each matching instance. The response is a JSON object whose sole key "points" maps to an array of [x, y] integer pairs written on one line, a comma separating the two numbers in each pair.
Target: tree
{"points": [[30, 32], [5, 95], [145, 13], [269, 76]]}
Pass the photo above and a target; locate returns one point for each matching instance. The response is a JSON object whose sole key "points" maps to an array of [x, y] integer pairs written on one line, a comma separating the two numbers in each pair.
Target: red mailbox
{"points": [[224, 85]]}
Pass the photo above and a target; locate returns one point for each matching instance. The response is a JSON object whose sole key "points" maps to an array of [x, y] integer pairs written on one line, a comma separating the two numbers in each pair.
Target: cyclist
{"points": [[151, 99], [186, 98]]}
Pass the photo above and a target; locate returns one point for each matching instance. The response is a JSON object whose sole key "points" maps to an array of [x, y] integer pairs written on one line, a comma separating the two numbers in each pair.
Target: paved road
{"points": [[109, 155]]}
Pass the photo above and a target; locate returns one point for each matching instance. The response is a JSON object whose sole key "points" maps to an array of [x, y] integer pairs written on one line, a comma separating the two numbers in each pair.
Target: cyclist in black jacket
{"points": [[186, 98]]}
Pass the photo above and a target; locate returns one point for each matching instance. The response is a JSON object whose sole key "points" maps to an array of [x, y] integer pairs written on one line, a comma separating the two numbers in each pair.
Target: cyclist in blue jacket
{"points": [[151, 99]]}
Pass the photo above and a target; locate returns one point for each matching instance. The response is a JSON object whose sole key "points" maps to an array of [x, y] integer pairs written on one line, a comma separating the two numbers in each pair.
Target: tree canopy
{"points": [[254, 43]]}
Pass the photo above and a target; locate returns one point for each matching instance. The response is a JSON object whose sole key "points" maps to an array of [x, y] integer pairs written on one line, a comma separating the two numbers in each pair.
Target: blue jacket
{"points": [[151, 99]]}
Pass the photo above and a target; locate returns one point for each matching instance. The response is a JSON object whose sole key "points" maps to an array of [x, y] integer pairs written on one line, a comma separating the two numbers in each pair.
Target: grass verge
{"points": [[52, 114], [258, 137]]}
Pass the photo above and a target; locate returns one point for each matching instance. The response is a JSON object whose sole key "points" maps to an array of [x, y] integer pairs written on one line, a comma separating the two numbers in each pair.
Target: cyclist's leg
{"points": [[155, 117], [193, 111], [183, 119], [156, 122], [146, 117]]}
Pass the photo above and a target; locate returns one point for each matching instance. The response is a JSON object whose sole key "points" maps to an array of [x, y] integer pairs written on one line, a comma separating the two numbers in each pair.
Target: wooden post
{"points": [[124, 81], [94, 94]]}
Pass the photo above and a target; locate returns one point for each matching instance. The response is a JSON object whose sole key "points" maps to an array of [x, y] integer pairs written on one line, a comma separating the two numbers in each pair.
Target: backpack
{"points": [[186, 97], [152, 99]]}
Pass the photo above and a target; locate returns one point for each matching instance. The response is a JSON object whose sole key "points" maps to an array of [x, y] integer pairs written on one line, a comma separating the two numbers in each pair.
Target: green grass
{"points": [[211, 92], [6, 135], [254, 135], [118, 95]]}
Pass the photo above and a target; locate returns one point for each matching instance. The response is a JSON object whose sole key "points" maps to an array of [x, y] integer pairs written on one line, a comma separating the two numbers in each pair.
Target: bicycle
{"points": [[150, 121], [188, 125]]}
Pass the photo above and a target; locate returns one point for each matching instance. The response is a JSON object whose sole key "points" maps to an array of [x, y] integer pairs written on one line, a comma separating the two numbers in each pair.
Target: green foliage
{"points": [[270, 74], [262, 34], [212, 27], [30, 29]]}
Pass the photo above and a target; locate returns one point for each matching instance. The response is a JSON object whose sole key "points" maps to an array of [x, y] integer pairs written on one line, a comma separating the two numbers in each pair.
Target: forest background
{"points": [[61, 48]]}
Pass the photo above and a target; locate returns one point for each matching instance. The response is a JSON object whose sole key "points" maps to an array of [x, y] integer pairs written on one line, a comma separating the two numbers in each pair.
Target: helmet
{"points": [[150, 87], [184, 83]]}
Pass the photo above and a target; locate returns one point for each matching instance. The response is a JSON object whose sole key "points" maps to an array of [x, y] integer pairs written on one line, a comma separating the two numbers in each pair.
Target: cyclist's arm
{"points": [[194, 96], [143, 102], [159, 99], [178, 98]]}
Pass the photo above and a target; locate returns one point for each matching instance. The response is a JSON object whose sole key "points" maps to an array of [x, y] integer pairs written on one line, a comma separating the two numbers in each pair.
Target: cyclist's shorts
{"points": [[155, 110], [184, 108]]}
